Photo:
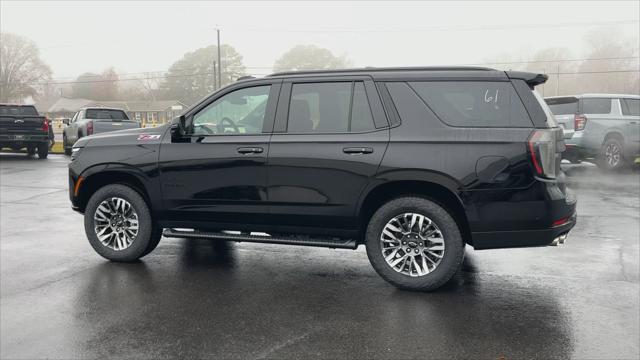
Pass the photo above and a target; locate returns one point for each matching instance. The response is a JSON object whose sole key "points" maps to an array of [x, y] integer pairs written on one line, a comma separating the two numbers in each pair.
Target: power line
{"points": [[263, 74], [238, 67]]}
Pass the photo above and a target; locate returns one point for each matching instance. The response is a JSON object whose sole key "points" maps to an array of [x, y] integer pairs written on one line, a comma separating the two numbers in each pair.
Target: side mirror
{"points": [[66, 121], [178, 127]]}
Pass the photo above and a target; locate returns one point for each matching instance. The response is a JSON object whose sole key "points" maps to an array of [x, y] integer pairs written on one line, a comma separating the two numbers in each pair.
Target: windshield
{"points": [[106, 114], [563, 106]]}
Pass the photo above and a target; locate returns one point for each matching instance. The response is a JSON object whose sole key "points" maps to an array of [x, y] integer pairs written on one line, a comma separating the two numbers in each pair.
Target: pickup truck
{"points": [[22, 127], [89, 121]]}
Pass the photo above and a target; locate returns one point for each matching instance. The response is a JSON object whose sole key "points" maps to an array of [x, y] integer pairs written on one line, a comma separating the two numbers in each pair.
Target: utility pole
{"points": [[219, 62], [215, 81]]}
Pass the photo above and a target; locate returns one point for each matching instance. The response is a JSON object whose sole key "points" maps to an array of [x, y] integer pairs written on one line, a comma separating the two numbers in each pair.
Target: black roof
{"points": [[433, 72], [382, 69]]}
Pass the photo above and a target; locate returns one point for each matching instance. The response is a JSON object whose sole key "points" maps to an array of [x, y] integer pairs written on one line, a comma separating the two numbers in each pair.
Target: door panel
{"points": [[215, 180], [215, 176], [328, 151], [316, 180]]}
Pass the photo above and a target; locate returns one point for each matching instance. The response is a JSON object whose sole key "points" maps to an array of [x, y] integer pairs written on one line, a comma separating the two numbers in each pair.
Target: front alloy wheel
{"points": [[116, 223]]}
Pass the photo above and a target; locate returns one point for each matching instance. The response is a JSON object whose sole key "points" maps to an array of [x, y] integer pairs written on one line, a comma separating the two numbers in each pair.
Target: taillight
{"points": [[542, 149], [90, 128], [45, 125], [579, 122]]}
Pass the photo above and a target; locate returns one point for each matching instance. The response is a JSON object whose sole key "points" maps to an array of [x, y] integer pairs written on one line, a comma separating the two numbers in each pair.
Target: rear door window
{"points": [[630, 107], [474, 104], [331, 107], [596, 106]]}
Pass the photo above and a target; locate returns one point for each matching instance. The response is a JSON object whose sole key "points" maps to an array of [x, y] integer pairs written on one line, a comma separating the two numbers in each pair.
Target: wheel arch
{"points": [[97, 177], [614, 135], [440, 193]]}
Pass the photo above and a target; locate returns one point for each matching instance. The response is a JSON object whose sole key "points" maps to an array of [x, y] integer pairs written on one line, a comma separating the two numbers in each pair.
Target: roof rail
{"points": [[375, 69]]}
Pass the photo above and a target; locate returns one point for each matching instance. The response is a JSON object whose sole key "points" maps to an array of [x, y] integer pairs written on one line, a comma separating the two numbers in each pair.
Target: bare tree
{"points": [[21, 68]]}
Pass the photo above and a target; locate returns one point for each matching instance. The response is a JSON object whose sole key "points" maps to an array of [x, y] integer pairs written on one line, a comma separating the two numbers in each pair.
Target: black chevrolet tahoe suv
{"points": [[414, 163]]}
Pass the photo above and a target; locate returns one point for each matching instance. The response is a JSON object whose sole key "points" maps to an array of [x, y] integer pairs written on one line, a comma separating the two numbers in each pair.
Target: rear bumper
{"points": [[532, 217], [522, 238], [18, 139]]}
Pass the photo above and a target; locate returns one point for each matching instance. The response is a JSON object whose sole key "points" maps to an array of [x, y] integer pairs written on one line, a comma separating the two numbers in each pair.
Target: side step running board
{"points": [[287, 240]]}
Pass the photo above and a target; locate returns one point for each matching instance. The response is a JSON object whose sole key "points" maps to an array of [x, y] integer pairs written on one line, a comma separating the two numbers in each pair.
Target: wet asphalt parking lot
{"points": [[205, 299]]}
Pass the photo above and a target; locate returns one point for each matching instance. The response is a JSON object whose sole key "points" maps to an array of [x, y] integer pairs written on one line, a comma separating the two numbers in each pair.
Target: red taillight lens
{"points": [[579, 122], [45, 125], [90, 128], [542, 150]]}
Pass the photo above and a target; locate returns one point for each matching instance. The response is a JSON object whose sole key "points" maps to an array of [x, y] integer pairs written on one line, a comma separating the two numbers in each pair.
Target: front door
{"points": [[328, 149], [216, 174]]}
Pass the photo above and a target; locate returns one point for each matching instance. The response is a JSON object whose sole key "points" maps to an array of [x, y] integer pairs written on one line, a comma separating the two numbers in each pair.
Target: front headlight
{"points": [[75, 152]]}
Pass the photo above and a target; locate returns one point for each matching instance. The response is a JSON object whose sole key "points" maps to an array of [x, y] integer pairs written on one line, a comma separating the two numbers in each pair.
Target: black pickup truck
{"points": [[22, 127]]}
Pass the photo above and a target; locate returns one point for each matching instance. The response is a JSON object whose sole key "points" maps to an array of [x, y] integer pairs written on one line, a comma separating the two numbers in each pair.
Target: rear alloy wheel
{"points": [[414, 244], [118, 224], [611, 156]]}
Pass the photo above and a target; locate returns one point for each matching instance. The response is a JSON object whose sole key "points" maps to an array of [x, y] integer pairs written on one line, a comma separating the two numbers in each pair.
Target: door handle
{"points": [[250, 150], [357, 150], [633, 122]]}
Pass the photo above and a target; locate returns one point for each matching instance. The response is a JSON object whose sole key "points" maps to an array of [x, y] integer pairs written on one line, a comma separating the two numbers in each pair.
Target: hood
{"points": [[125, 137]]}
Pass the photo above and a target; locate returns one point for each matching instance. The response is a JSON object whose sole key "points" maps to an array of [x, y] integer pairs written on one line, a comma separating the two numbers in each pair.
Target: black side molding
{"points": [[532, 79]]}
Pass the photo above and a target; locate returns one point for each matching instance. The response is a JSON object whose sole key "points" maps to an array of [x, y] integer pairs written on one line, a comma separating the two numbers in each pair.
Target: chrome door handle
{"points": [[250, 150], [357, 150]]}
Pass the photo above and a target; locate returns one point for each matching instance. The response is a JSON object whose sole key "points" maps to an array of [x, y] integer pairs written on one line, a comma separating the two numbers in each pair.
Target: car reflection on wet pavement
{"points": [[202, 298]]}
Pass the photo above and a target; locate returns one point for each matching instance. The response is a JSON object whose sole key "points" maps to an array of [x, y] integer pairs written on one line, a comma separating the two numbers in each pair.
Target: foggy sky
{"points": [[77, 37]]}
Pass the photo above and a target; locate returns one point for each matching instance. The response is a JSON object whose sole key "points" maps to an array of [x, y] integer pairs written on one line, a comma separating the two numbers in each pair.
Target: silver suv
{"points": [[604, 127]]}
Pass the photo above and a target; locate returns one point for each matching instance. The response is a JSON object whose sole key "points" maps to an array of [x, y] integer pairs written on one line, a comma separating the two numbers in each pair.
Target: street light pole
{"points": [[219, 62]]}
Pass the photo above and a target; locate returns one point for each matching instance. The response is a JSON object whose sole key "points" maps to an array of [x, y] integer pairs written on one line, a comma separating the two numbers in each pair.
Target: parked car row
{"points": [[604, 128]]}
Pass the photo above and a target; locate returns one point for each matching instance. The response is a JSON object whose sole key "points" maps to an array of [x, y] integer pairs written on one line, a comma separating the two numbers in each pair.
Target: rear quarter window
{"points": [[630, 107], [474, 104], [596, 106]]}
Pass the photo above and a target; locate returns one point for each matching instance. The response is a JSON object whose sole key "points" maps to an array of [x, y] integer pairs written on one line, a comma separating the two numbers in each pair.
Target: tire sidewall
{"points": [[454, 246], [140, 243]]}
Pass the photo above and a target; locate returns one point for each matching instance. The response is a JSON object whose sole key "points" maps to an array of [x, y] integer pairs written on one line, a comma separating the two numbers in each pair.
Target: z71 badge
{"points": [[146, 137]]}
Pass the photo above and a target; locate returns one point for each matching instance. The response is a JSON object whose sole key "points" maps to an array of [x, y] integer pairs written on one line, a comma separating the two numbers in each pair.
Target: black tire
{"points": [[156, 236], [67, 149], [43, 150], [607, 160], [451, 258], [31, 150], [143, 240]]}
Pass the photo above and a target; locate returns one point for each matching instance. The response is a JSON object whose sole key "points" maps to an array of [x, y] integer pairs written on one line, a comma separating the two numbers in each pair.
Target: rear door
{"points": [[603, 117], [631, 116], [329, 139]]}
